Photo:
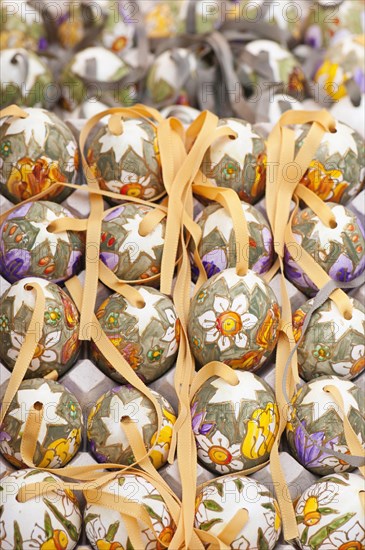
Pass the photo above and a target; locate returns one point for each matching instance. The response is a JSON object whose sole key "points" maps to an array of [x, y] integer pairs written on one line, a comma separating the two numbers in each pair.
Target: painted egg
{"points": [[28, 79], [36, 152], [271, 109], [184, 113], [331, 344], [217, 247], [219, 501], [330, 514], [130, 255], [277, 65], [79, 21], [172, 78], [345, 111], [60, 432], [128, 163], [343, 62], [338, 250], [28, 249], [234, 426], [21, 26], [317, 422], [105, 528], [235, 320], [45, 521], [159, 18], [58, 347], [107, 439], [147, 337], [337, 171], [94, 65], [238, 163], [118, 32]]}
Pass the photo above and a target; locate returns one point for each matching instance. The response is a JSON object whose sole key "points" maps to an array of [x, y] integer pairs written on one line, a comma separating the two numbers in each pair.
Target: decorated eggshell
{"points": [[235, 320], [129, 163], [234, 426], [105, 528], [96, 64], [219, 500], [130, 255], [148, 337], [75, 22], [317, 420], [337, 171], [217, 247], [240, 163], [21, 26], [270, 109], [331, 343], [27, 79], [58, 347], [330, 514], [106, 435], [184, 113], [28, 249], [45, 520], [343, 62], [60, 432], [118, 31], [277, 64], [36, 152], [338, 250], [344, 111], [166, 81]]}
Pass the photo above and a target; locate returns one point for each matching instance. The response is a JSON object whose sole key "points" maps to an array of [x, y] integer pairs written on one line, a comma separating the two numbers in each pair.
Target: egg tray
{"points": [[87, 382]]}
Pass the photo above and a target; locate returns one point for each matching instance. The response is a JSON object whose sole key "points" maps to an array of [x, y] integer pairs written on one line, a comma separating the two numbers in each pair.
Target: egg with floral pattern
{"points": [[44, 521], [58, 347], [337, 171], [234, 425], [219, 500], [128, 163], [27, 79], [106, 529], [330, 514], [118, 32], [234, 319], [107, 439], [239, 163], [217, 247], [338, 248], [332, 344], [29, 249], [316, 421], [35, 152], [60, 432], [148, 337], [21, 26]]}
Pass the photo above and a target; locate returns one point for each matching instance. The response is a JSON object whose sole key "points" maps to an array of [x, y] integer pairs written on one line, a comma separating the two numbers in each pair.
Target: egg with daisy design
{"points": [[219, 500], [147, 337], [315, 430], [59, 345], [107, 439], [234, 319], [60, 431], [234, 425]]}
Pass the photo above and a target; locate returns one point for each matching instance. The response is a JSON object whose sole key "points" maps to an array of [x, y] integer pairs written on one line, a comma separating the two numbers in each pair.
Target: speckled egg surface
{"points": [[235, 320], [44, 521], [240, 163], [331, 344], [106, 528], [60, 432], [29, 249], [339, 250], [234, 426], [219, 500], [217, 247], [317, 421], [128, 253], [58, 347], [148, 337], [107, 439], [35, 152], [330, 515]]}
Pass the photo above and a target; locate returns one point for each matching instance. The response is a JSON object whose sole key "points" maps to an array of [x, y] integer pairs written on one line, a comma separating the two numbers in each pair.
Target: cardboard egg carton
{"points": [[87, 382]]}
